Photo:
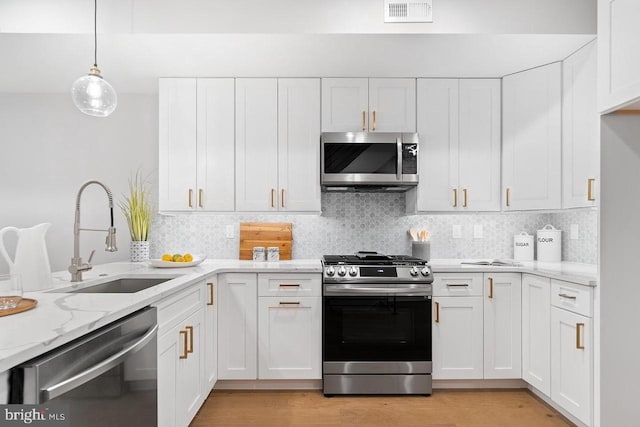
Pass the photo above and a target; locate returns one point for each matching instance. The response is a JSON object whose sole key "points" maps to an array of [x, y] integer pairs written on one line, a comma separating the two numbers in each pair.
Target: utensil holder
{"points": [[421, 250], [139, 250]]}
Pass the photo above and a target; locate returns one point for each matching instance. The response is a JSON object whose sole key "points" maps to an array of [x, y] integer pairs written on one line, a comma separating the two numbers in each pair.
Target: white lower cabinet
{"points": [[238, 326], [211, 334], [457, 338], [502, 326], [290, 337], [180, 357], [536, 332]]}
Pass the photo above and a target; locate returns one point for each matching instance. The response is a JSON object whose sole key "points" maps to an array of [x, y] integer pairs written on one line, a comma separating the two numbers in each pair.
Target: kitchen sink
{"points": [[120, 286]]}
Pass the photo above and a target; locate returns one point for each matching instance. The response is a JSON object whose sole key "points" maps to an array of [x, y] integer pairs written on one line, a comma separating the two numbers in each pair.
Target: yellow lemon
{"points": [[176, 256], [179, 259], [188, 257], [167, 257]]}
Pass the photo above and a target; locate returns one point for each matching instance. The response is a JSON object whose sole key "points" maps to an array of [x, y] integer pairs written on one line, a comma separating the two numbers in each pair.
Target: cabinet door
{"points": [[177, 145], [299, 144], [457, 338], [216, 142], [572, 363], [290, 337], [345, 103], [531, 157], [580, 129], [211, 335], [536, 332], [169, 351], [438, 138], [502, 325], [256, 144], [237, 326], [479, 144], [392, 105], [618, 53], [190, 370]]}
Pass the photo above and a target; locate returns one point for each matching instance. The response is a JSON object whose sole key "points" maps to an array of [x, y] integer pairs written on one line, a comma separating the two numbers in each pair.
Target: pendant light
{"points": [[92, 94]]}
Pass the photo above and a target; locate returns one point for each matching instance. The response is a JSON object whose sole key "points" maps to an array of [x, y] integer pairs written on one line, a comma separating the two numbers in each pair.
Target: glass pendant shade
{"points": [[93, 95]]}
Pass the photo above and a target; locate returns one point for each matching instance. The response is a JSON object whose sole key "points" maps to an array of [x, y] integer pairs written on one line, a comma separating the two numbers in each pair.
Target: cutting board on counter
{"points": [[265, 234]]}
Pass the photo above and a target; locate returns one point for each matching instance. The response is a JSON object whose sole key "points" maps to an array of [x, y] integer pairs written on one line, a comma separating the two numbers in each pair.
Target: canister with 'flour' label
{"points": [[523, 247], [549, 241]]}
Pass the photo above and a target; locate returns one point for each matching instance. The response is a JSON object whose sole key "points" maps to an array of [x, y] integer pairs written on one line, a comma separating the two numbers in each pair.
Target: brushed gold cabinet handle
{"points": [[490, 287], [364, 120], [437, 312], [190, 198], [200, 193], [464, 197], [455, 197], [282, 191], [190, 329], [508, 197], [579, 329], [273, 196], [185, 352], [590, 197], [374, 120], [210, 285]]}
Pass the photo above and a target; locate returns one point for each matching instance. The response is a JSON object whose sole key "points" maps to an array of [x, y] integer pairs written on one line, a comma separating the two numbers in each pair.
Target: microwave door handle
{"points": [[399, 167], [87, 375]]}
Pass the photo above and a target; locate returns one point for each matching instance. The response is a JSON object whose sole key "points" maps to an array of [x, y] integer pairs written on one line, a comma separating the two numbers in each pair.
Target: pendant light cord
{"points": [[95, 33]]}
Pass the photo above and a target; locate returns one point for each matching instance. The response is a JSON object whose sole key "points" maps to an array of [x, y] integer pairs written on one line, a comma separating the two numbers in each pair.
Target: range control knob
{"points": [[414, 271], [353, 271], [331, 271], [425, 271], [342, 271]]}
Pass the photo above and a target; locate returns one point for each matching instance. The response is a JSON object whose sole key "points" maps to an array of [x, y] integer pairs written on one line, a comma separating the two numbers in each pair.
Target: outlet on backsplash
{"points": [[477, 231], [229, 231]]}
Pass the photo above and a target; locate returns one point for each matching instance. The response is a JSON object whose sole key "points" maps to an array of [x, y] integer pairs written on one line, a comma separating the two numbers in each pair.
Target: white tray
{"points": [[197, 259]]}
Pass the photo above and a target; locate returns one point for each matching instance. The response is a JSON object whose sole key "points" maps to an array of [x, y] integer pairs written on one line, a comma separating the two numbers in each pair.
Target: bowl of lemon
{"points": [[177, 260]]}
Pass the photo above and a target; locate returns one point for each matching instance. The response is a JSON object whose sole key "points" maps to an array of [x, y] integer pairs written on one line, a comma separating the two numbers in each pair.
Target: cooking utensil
{"points": [[414, 234]]}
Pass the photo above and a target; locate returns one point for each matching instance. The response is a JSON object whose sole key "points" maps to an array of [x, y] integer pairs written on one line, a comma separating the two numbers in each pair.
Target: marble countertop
{"points": [[63, 317]]}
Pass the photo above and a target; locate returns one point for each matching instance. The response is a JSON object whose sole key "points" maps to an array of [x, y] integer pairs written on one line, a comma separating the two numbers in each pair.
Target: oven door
{"points": [[390, 330]]}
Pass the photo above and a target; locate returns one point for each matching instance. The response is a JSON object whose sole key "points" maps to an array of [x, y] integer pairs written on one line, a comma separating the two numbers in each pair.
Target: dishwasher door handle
{"points": [[87, 375]]}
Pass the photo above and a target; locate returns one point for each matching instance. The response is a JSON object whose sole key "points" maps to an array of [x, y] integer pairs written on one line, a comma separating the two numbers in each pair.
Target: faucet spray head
{"points": [[111, 240]]}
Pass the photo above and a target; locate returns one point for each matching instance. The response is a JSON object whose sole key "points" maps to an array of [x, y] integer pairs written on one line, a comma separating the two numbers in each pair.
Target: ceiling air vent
{"points": [[408, 11]]}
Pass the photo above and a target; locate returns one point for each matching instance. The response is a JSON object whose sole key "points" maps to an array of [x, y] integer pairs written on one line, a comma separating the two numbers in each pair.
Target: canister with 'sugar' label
{"points": [[523, 247]]}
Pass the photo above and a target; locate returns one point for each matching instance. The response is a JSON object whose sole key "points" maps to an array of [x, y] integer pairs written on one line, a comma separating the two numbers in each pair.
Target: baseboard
{"points": [[478, 384], [546, 399], [268, 385]]}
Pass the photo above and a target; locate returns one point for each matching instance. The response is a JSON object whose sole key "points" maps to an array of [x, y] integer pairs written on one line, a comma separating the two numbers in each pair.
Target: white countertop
{"points": [[63, 317]]}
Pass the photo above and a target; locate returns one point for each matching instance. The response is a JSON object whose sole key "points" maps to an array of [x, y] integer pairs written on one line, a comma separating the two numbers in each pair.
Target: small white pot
{"points": [[139, 251]]}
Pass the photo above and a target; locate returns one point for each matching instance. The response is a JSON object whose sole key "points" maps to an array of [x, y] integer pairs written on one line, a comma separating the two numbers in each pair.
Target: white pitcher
{"points": [[31, 260]]}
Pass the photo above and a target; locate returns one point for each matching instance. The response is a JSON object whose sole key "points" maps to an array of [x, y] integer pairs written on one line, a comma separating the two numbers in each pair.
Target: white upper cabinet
{"points": [[345, 104], [531, 158], [374, 105], [178, 144], [618, 54], [459, 131], [392, 105], [196, 144], [580, 129], [256, 144], [299, 144]]}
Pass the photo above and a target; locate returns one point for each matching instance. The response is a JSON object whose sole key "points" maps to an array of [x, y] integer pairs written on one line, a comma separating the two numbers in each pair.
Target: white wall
{"points": [[619, 254], [48, 149]]}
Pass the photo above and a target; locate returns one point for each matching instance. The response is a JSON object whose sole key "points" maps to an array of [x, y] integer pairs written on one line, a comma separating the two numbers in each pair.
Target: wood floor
{"points": [[446, 408]]}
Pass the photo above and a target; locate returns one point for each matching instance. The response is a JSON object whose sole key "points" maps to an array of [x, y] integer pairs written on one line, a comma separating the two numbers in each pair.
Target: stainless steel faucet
{"points": [[77, 266]]}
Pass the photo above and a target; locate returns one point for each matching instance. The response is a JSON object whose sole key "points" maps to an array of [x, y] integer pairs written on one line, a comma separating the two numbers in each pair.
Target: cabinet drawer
{"points": [[572, 297], [286, 284], [457, 284], [175, 308]]}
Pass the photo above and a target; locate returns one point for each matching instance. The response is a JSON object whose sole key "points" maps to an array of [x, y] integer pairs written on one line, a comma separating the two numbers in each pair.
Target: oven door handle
{"points": [[87, 375], [410, 289]]}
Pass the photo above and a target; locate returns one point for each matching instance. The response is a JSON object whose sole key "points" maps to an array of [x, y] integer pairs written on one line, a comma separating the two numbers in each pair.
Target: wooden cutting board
{"points": [[265, 234]]}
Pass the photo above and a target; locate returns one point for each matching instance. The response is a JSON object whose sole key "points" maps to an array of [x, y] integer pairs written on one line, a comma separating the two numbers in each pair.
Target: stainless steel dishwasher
{"points": [[106, 378]]}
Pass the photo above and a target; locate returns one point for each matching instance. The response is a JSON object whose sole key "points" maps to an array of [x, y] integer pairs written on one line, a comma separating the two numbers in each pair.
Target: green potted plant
{"points": [[138, 212]]}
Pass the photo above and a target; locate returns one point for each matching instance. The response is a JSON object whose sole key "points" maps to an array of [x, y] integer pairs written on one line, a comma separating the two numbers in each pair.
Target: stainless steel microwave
{"points": [[368, 161]]}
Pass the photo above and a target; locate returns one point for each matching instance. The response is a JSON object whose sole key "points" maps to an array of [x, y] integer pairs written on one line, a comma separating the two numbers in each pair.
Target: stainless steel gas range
{"points": [[376, 335]]}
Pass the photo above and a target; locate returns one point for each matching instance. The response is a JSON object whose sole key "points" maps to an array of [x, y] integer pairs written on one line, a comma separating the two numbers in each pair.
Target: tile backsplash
{"points": [[378, 222]]}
